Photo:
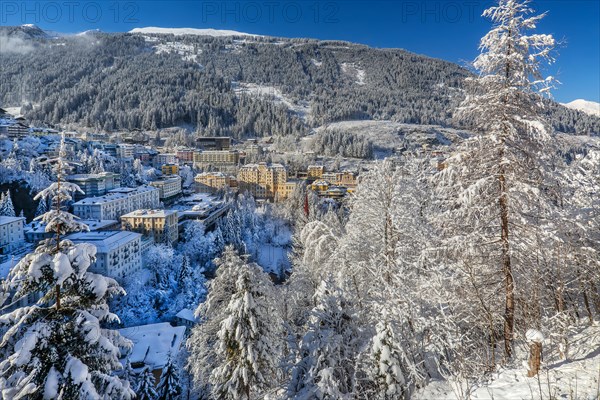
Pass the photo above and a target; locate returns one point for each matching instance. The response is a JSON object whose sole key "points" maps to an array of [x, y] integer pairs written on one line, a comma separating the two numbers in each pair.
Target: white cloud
{"points": [[14, 45]]}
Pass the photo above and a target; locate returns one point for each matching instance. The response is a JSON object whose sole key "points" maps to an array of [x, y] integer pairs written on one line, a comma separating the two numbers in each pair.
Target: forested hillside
{"points": [[230, 85]]}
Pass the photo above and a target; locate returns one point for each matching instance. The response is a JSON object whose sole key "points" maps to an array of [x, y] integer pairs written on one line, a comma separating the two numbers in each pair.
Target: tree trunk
{"points": [[509, 310], [58, 297], [535, 358]]}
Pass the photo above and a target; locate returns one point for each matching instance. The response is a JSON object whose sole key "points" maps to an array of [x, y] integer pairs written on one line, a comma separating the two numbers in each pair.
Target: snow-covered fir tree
{"points": [[59, 347], [325, 363], [7, 209], [384, 371], [235, 347], [146, 389], [247, 343], [201, 343], [169, 387], [42, 207]]}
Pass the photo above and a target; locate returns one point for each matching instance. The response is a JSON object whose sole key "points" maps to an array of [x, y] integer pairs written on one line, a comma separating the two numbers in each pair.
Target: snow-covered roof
{"points": [[7, 220], [154, 343], [150, 213], [186, 314], [93, 224], [105, 241], [101, 175], [115, 194]]}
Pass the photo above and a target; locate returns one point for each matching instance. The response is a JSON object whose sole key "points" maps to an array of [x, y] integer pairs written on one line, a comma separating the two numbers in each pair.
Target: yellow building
{"points": [[263, 181], [153, 223], [216, 158], [213, 181], [315, 171], [286, 190], [170, 169], [320, 186], [347, 179]]}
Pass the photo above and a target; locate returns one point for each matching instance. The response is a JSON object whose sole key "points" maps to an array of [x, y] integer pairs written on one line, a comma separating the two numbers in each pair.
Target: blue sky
{"points": [[445, 29]]}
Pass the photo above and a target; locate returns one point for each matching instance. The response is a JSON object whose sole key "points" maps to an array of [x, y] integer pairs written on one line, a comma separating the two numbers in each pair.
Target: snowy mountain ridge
{"points": [[586, 106], [190, 31]]}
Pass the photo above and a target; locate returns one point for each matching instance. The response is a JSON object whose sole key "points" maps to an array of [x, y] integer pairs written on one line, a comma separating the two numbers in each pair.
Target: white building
{"points": [[118, 253], [11, 234], [117, 202], [94, 185], [164, 158], [168, 187], [125, 150]]}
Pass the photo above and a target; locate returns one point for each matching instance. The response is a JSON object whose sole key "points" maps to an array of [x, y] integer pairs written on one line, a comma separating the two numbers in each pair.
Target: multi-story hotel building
{"points": [[164, 158], [125, 150], [117, 202], [185, 156], [170, 169], [94, 185], [264, 181], [118, 253], [11, 233], [315, 171], [168, 187], [214, 143], [157, 224], [216, 158], [210, 182]]}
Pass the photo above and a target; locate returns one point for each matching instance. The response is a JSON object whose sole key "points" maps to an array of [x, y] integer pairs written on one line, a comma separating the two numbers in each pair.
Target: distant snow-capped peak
{"points": [[189, 31], [586, 106]]}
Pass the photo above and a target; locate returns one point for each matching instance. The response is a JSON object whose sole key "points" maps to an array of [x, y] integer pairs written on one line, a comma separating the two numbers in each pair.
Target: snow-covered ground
{"points": [[353, 70], [588, 107], [272, 93], [576, 378], [271, 257], [186, 51], [16, 111], [390, 135]]}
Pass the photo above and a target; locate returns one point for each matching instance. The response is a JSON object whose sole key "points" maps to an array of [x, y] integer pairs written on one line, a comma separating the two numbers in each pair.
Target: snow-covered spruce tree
{"points": [[145, 389], [247, 342], [383, 366], [7, 209], [169, 387], [57, 347], [497, 188], [325, 363], [201, 343], [42, 207], [129, 376]]}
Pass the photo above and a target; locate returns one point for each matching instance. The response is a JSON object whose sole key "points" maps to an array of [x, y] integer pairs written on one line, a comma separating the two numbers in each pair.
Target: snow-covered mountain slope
{"points": [[588, 107], [189, 31]]}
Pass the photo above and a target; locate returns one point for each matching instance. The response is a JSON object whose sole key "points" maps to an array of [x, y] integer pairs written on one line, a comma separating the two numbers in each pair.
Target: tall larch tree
{"points": [[498, 187]]}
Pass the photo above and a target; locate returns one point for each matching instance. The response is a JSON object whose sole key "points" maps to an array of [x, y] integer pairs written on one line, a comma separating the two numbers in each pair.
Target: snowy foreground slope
{"points": [[576, 378]]}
